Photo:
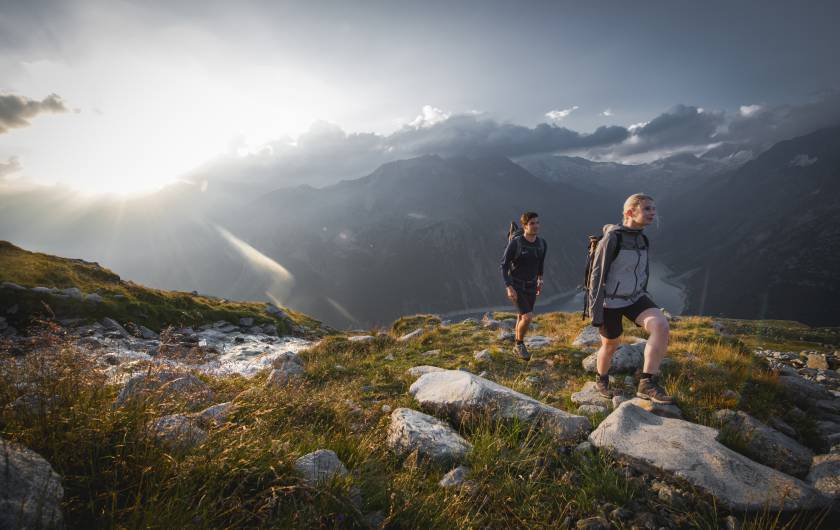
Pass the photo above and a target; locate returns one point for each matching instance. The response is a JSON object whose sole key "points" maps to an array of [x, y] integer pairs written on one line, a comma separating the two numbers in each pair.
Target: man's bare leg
{"points": [[522, 323]]}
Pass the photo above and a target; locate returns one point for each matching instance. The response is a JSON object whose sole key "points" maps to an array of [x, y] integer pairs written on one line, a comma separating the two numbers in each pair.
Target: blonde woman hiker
{"points": [[522, 272], [618, 288]]}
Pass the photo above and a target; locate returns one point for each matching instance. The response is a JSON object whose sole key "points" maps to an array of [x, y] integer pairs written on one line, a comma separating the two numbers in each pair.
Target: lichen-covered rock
{"points": [[455, 478], [411, 430], [767, 445], [825, 474], [30, 490], [588, 395], [691, 453], [627, 358], [417, 371], [177, 431], [461, 394], [166, 384], [588, 337], [319, 467]]}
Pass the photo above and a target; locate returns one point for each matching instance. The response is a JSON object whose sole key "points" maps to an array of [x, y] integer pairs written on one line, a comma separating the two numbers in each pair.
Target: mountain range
{"points": [[747, 235]]}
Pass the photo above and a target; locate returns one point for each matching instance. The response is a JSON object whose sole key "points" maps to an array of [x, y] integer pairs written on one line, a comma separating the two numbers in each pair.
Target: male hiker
{"points": [[522, 271], [618, 288]]}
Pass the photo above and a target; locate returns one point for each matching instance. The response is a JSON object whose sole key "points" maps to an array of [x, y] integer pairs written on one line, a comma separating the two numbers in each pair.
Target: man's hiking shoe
{"points": [[520, 350], [602, 385], [652, 390]]}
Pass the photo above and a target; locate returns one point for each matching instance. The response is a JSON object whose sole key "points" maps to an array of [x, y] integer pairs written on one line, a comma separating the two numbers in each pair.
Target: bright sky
{"points": [[157, 88]]}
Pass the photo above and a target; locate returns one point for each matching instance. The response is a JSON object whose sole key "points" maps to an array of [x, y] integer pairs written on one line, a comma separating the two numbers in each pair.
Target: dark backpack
{"points": [[516, 233], [590, 260]]}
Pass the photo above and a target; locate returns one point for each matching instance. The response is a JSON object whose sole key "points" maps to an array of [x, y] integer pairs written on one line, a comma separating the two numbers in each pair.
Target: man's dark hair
{"points": [[527, 216]]}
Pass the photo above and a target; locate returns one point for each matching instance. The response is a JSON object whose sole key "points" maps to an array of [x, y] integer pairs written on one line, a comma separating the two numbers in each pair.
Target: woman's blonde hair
{"points": [[633, 201]]}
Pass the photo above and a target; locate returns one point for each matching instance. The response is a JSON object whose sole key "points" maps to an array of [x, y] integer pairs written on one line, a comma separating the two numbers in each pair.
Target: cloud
{"points": [[10, 166], [803, 160], [748, 110], [607, 112], [15, 111], [559, 115], [430, 116]]}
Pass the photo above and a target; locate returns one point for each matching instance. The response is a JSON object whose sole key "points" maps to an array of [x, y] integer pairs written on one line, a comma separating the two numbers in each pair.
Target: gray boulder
{"points": [[767, 445], [113, 325], [216, 414], [319, 467], [417, 371], [455, 478], [147, 334], [12, 286], [825, 474], [179, 432], [691, 453], [30, 490], [246, 322], [660, 409], [165, 384], [627, 358], [93, 297], [276, 311], [283, 372], [73, 292], [590, 410], [801, 391], [411, 430], [588, 337], [461, 394], [588, 395]]}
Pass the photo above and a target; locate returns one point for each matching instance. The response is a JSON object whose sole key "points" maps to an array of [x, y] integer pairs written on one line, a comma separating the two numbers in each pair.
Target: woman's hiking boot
{"points": [[602, 385], [520, 350], [649, 388]]}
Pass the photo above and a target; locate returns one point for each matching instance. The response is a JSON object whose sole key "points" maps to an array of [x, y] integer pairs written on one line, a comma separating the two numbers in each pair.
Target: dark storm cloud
{"points": [[8, 167], [766, 125], [15, 111], [475, 136], [326, 153]]}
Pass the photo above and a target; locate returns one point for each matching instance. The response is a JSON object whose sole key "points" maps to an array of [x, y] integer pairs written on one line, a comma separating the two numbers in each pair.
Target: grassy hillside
{"points": [[242, 476], [122, 300]]}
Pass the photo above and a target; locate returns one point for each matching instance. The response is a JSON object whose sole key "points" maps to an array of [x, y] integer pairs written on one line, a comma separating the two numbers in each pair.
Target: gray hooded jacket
{"points": [[618, 279]]}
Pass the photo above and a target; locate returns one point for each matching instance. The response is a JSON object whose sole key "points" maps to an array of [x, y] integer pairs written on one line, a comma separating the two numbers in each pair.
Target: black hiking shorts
{"points": [[612, 328], [526, 296]]}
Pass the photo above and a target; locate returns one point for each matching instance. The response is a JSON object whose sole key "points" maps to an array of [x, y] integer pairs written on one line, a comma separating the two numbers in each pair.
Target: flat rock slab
{"points": [[30, 490], [588, 395], [461, 394], [320, 466], [417, 371], [691, 453], [767, 445], [660, 409], [802, 391], [411, 430], [588, 337], [825, 474], [627, 358]]}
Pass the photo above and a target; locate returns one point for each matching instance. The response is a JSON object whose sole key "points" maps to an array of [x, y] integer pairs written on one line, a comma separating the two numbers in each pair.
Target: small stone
{"points": [[505, 335], [585, 447], [320, 466], [818, 361], [389, 357], [730, 394], [533, 379], [361, 338], [408, 336], [455, 477], [178, 432], [386, 409], [590, 410], [483, 355], [430, 353]]}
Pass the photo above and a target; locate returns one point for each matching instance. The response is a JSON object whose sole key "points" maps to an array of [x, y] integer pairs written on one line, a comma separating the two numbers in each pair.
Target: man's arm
{"points": [[601, 262]]}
